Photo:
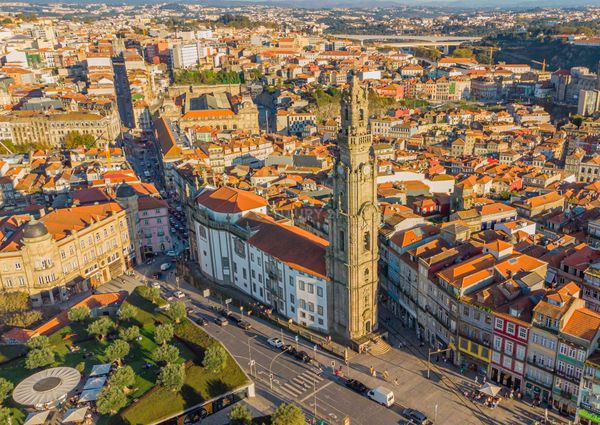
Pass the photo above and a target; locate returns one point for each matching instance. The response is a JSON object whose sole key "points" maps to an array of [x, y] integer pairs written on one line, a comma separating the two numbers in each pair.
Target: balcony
{"points": [[533, 363]]}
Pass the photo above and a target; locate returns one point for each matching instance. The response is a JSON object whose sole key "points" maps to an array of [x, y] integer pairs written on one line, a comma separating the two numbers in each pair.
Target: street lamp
{"points": [[429, 353], [271, 368], [250, 353]]}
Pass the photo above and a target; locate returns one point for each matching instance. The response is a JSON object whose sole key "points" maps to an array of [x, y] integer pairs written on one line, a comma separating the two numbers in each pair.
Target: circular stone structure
{"points": [[47, 386]]}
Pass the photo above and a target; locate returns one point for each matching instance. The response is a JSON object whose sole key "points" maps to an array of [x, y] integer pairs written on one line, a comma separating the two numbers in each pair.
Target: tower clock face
{"points": [[366, 169]]}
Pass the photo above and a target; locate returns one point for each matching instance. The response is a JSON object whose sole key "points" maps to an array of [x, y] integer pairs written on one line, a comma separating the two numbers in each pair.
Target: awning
{"points": [[93, 383], [100, 369], [75, 415], [37, 418], [46, 386], [89, 395]]}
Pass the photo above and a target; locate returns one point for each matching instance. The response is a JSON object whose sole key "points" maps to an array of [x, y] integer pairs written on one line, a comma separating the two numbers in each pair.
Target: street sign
{"points": [[228, 300], [206, 293]]}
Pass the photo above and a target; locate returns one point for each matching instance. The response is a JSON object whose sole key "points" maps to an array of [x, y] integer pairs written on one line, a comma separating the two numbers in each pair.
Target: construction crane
{"points": [[543, 63], [491, 49]]}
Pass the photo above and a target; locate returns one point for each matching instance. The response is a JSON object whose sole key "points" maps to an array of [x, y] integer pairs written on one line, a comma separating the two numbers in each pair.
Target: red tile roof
{"points": [[230, 200]]}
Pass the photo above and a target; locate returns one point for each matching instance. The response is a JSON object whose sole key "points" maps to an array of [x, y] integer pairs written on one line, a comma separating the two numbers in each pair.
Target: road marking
{"points": [[291, 390], [316, 391]]}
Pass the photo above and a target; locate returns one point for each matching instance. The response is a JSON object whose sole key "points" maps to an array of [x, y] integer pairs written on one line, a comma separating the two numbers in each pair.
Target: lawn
{"points": [[200, 383]]}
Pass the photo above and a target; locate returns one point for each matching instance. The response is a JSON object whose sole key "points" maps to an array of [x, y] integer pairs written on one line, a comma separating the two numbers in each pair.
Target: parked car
{"points": [[275, 342], [356, 386], [171, 253], [221, 321], [244, 325], [234, 318], [415, 416], [165, 266], [382, 396], [178, 294], [155, 285], [302, 356]]}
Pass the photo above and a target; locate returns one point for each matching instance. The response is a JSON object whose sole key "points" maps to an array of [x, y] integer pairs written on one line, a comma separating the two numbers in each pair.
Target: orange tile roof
{"points": [[584, 324], [230, 200], [208, 113]]}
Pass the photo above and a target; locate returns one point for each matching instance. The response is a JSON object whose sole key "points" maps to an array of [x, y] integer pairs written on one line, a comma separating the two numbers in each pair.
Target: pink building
{"points": [[153, 217]]}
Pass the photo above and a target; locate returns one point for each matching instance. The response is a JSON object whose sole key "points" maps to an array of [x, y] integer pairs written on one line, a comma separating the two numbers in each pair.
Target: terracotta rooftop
{"points": [[230, 200]]}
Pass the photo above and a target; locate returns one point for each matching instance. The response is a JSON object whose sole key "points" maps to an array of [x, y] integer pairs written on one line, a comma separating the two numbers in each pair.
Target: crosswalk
{"points": [[298, 385]]}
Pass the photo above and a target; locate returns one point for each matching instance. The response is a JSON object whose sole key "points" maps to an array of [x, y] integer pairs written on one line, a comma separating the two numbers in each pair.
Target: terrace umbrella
{"points": [[490, 389], [101, 369], [75, 415], [37, 418]]}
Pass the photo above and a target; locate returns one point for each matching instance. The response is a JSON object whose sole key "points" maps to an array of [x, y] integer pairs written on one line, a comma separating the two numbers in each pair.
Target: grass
{"points": [[200, 384]]}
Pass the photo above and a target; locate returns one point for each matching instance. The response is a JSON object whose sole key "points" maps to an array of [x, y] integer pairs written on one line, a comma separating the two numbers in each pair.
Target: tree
{"points": [[288, 414], [177, 311], [116, 351], [240, 415], [127, 312], [38, 342], [39, 357], [462, 53], [111, 399], [79, 314], [154, 294], [129, 334], [12, 302], [5, 416], [166, 354], [123, 377], [215, 358], [5, 389], [163, 333], [101, 327], [172, 377], [80, 367], [75, 139], [22, 319]]}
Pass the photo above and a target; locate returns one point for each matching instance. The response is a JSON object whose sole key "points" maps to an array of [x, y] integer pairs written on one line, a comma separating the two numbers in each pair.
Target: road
{"points": [[123, 94]]}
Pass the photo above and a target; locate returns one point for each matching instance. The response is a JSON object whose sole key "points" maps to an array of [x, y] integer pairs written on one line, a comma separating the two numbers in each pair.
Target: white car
{"points": [[275, 342], [165, 266], [155, 285], [178, 294], [171, 253]]}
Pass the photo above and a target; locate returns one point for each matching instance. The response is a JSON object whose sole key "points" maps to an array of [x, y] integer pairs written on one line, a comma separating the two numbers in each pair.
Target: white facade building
{"points": [[237, 244]]}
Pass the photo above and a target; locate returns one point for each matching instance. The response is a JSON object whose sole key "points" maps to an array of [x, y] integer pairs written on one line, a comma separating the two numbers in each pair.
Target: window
{"points": [[302, 303], [320, 310], [311, 307], [510, 328], [507, 362], [320, 291], [497, 343], [508, 347], [291, 281], [311, 288], [499, 323], [367, 241], [342, 240], [522, 332], [301, 285], [292, 298], [495, 357], [520, 353]]}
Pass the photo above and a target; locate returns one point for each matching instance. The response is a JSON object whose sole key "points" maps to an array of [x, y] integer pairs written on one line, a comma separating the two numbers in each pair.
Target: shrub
{"points": [[79, 314]]}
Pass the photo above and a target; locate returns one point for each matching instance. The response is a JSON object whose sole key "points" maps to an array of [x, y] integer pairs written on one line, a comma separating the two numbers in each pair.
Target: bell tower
{"points": [[354, 223]]}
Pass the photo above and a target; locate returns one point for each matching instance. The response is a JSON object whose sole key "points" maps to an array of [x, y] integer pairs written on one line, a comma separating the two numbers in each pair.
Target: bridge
{"points": [[407, 41]]}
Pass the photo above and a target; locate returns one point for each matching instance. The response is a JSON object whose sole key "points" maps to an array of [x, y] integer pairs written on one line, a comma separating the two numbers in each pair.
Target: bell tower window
{"points": [[367, 241], [342, 241]]}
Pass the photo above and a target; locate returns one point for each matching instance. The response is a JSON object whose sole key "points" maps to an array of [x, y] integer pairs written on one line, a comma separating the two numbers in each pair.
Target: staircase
{"points": [[379, 348]]}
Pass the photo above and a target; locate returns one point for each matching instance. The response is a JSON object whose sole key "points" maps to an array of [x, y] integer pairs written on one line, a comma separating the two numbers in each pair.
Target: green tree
{"points": [[110, 400], [5, 416], [37, 342], [12, 302], [5, 389], [172, 376], [116, 351], [462, 53], [288, 414], [101, 327], [129, 334], [39, 357], [123, 378], [80, 367], [75, 139], [127, 312], [177, 312], [215, 358], [240, 415], [165, 354], [163, 333], [79, 314], [22, 319], [154, 294]]}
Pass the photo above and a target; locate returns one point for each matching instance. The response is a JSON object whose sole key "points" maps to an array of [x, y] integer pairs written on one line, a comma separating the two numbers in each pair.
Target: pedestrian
{"points": [[385, 375], [396, 381], [476, 380], [484, 379]]}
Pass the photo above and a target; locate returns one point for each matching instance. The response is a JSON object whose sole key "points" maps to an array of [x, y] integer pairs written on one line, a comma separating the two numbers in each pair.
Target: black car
{"points": [[356, 386], [244, 325], [202, 321], [289, 349], [415, 416], [234, 318], [225, 313], [302, 356]]}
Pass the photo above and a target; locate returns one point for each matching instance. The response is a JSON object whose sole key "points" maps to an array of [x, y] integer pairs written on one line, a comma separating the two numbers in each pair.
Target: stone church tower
{"points": [[353, 225]]}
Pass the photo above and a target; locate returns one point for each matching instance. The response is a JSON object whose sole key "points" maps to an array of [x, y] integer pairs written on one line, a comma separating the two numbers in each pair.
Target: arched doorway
{"points": [[368, 326]]}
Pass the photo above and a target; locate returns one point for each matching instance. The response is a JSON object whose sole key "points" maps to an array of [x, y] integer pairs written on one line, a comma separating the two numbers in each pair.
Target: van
{"points": [[382, 396]]}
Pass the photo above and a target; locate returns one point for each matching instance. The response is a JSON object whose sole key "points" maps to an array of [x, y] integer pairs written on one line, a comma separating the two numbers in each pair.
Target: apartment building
{"points": [[294, 123], [65, 252]]}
